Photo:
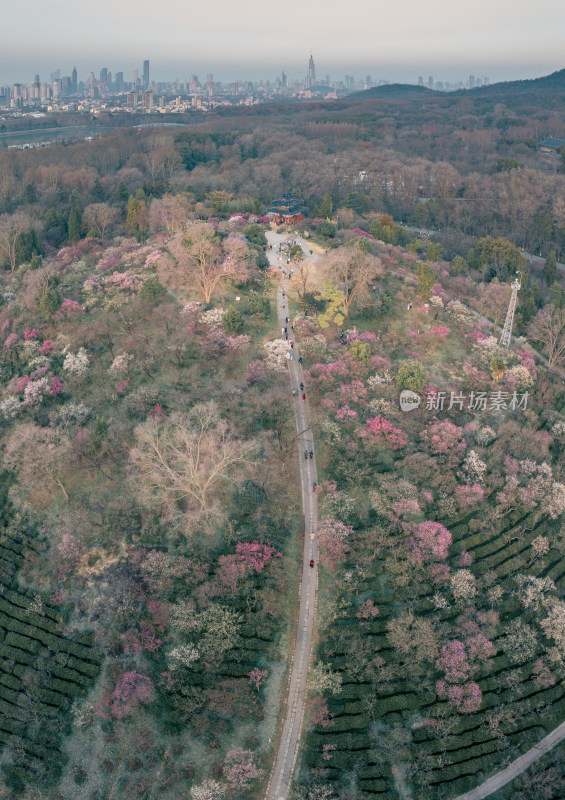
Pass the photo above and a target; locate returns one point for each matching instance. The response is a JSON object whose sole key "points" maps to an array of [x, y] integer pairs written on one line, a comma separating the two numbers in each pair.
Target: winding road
{"points": [[500, 779], [294, 705]]}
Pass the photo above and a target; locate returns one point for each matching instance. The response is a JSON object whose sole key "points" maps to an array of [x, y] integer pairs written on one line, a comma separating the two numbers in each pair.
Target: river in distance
{"points": [[43, 137]]}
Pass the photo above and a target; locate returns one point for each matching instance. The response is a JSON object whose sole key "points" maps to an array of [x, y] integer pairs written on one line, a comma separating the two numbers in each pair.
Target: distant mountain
{"points": [[553, 82], [390, 90]]}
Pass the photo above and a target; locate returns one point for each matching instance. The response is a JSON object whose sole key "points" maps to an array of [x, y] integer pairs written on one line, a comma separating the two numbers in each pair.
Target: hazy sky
{"points": [[248, 39]]}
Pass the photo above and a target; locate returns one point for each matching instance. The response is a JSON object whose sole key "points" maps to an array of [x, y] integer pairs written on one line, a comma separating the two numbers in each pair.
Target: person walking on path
{"points": [[304, 397]]}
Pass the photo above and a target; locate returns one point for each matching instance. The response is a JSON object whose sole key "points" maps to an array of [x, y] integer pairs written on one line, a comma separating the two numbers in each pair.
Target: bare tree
{"points": [[11, 226], [207, 266], [98, 216], [183, 462], [169, 212], [354, 272], [493, 300], [300, 284], [548, 328]]}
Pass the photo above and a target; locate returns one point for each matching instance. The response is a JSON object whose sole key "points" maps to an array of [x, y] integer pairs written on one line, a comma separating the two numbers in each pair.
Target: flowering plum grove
{"points": [[453, 539]]}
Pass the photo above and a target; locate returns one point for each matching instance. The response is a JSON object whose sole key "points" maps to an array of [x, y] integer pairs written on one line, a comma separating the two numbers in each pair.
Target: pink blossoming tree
{"points": [[333, 536], [430, 541], [383, 432]]}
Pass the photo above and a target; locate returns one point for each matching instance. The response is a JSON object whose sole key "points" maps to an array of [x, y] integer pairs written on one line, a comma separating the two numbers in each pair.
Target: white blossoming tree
{"points": [[77, 363]]}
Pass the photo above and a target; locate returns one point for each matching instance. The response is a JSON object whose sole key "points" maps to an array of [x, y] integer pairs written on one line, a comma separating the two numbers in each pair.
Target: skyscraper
{"points": [[311, 80], [135, 80], [74, 84], [104, 75], [146, 74], [119, 81]]}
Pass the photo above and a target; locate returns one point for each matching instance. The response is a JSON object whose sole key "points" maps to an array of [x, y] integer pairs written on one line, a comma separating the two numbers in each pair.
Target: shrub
{"points": [[411, 375], [233, 321], [248, 496], [152, 290]]}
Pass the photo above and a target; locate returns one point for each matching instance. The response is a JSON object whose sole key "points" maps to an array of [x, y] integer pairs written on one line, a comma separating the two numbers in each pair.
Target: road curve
{"points": [[295, 701], [521, 764]]}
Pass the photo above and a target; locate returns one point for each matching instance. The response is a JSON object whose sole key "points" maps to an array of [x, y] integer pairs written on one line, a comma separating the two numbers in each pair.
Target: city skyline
{"points": [[503, 40], [159, 74]]}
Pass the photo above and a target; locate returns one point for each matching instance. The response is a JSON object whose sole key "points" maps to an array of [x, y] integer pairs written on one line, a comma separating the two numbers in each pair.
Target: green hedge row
{"points": [[56, 643], [374, 771], [30, 617], [374, 786], [23, 642], [473, 767], [15, 654], [341, 741], [10, 681], [25, 599], [350, 723]]}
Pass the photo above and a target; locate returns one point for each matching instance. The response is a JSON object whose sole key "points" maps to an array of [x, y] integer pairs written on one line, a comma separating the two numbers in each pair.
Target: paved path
{"points": [[514, 769], [294, 705]]}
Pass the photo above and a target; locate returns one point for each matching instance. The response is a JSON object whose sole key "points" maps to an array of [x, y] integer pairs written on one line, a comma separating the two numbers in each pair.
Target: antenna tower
{"points": [[506, 335]]}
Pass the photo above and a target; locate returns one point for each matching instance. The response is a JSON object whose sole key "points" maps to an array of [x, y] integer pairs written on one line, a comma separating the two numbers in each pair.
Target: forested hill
{"points": [[548, 85], [391, 90], [554, 83]]}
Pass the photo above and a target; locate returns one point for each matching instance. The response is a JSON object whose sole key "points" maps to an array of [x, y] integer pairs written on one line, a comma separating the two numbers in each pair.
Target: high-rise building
{"points": [[135, 79], [146, 73], [311, 79], [431, 82], [74, 84], [104, 75], [471, 81], [420, 80], [119, 81], [147, 99], [131, 99]]}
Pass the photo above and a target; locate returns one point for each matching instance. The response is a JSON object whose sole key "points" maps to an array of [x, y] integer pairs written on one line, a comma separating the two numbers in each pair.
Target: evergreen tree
{"points": [[528, 307], [50, 302], [136, 221], [426, 280], [74, 224], [29, 195], [122, 193], [557, 295], [550, 268], [325, 209], [97, 191], [459, 266], [233, 321], [152, 290]]}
